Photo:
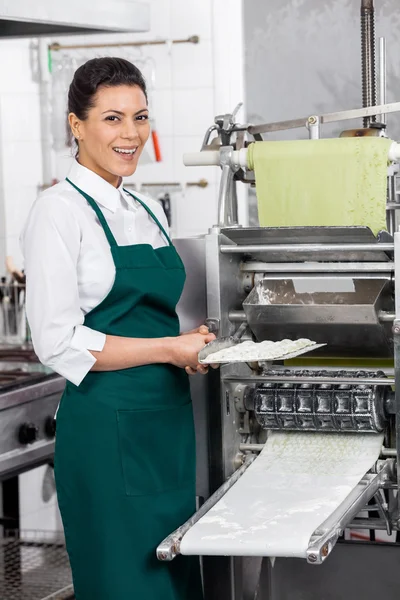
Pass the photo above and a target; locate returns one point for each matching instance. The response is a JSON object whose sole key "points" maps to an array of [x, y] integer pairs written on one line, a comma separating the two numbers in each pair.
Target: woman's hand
{"points": [[202, 329], [184, 350], [203, 369]]}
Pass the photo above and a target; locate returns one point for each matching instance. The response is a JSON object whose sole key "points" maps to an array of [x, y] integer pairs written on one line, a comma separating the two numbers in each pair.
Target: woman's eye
{"points": [[112, 118], [142, 118]]}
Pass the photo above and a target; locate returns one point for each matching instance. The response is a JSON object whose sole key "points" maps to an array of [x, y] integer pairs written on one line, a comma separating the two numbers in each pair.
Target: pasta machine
{"points": [[330, 284], [334, 285]]}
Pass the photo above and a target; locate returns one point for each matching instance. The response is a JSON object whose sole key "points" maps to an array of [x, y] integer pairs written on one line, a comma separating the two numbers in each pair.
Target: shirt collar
{"points": [[95, 186]]}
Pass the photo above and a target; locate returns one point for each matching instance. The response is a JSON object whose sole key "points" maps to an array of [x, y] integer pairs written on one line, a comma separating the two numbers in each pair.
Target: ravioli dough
{"points": [[252, 351]]}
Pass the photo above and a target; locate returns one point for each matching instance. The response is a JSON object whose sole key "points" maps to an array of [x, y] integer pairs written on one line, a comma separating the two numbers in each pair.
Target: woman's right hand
{"points": [[184, 349]]}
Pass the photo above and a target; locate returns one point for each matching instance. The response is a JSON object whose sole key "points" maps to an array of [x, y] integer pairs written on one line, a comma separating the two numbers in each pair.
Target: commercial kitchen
{"points": [[273, 157]]}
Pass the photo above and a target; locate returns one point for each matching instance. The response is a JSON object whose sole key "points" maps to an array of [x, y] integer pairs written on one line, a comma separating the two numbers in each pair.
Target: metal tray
{"points": [[305, 350], [34, 566]]}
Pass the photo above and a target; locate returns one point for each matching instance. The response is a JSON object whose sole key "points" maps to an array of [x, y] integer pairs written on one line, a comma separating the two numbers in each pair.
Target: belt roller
{"points": [[319, 407]]}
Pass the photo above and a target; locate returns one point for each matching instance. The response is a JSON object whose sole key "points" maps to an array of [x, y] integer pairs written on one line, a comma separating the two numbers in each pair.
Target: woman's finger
{"points": [[203, 329], [190, 371]]}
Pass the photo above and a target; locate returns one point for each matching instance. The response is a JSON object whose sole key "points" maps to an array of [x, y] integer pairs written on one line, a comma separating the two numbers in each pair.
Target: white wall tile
{"points": [[16, 72], [160, 19], [20, 114], [64, 159], [228, 54], [2, 255], [191, 18], [161, 111], [193, 111], [18, 201], [12, 248], [192, 65], [22, 164], [195, 210], [156, 172], [159, 58]]}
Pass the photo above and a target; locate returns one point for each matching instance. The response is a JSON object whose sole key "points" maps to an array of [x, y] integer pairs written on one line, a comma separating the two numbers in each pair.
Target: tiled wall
{"points": [[20, 148], [193, 83]]}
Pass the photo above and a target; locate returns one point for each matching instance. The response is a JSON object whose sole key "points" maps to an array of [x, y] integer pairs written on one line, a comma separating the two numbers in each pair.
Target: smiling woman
{"points": [[103, 281], [112, 129]]}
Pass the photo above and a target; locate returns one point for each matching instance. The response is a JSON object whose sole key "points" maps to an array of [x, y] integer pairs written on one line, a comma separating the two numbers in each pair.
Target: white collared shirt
{"points": [[69, 267]]}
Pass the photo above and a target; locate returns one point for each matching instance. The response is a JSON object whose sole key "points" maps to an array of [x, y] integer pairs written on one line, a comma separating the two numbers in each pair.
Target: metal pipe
{"points": [[312, 248], [371, 524], [386, 452], [389, 452], [202, 183], [354, 113], [368, 77], [377, 269], [386, 317], [193, 39], [251, 447], [389, 381], [382, 75], [48, 157], [237, 159], [237, 316]]}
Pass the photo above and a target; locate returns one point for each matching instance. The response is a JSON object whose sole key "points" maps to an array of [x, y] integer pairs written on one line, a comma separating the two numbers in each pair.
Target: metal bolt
{"points": [[396, 329], [325, 551], [312, 558], [312, 120]]}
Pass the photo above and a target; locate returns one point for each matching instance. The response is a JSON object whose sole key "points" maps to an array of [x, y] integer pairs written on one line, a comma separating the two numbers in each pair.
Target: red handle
{"points": [[156, 146]]}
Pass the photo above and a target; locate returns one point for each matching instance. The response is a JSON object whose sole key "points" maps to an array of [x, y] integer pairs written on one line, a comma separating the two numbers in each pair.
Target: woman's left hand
{"points": [[202, 329], [202, 369]]}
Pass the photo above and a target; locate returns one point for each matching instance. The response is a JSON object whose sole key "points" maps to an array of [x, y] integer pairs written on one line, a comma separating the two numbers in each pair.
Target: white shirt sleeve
{"points": [[51, 245]]}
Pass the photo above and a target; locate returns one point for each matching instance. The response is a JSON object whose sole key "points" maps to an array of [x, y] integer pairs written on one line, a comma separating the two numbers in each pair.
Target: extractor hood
{"points": [[32, 18]]}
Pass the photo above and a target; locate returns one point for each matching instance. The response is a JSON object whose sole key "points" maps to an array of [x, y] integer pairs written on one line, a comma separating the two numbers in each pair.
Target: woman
{"points": [[103, 280]]}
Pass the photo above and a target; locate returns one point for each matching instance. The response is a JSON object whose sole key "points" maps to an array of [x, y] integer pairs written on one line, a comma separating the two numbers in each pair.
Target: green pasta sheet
{"points": [[327, 182]]}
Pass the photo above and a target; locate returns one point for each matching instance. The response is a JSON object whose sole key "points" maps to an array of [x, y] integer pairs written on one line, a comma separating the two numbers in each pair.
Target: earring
{"points": [[77, 137]]}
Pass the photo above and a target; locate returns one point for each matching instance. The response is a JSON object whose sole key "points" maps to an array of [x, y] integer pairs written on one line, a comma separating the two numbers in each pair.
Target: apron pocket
{"points": [[157, 449]]}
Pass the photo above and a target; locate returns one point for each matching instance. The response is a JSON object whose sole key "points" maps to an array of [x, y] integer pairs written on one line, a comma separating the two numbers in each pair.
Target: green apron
{"points": [[125, 444]]}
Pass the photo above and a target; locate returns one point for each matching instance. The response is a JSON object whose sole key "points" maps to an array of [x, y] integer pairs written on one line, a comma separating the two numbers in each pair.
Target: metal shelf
{"points": [[34, 566]]}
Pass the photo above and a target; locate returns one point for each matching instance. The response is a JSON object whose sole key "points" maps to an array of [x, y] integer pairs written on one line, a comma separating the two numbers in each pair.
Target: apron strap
{"points": [[152, 215], [111, 239]]}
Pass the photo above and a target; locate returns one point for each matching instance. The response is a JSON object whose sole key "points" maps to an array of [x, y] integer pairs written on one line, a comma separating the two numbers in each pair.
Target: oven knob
{"points": [[27, 433], [50, 427]]}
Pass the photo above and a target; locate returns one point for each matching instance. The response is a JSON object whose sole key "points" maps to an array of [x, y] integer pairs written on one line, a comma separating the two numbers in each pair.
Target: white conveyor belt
{"points": [[295, 484]]}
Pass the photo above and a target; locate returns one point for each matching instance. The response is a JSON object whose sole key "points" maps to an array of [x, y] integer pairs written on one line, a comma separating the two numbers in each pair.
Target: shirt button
{"points": [[129, 228]]}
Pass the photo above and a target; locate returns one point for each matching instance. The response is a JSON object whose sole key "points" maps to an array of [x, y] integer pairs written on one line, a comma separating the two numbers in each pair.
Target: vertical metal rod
{"points": [[314, 126], [382, 75], [368, 77], [391, 214], [396, 339]]}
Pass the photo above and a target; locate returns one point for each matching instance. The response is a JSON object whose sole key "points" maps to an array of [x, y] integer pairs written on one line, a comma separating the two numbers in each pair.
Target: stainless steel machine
{"points": [[339, 285]]}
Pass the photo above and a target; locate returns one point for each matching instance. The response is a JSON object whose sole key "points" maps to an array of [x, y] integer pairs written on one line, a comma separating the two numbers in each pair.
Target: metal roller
{"points": [[316, 407]]}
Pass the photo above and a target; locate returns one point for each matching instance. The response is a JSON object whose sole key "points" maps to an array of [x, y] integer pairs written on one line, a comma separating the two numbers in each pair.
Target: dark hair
{"points": [[96, 73]]}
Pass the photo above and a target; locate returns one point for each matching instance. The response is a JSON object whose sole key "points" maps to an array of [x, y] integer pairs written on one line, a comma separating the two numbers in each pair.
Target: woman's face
{"points": [[112, 137]]}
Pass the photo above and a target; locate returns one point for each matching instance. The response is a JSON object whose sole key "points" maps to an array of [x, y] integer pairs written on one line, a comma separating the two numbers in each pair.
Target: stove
{"points": [[29, 396], [18, 353], [15, 378]]}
